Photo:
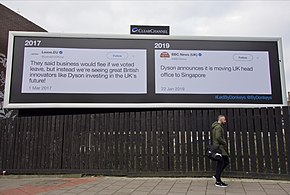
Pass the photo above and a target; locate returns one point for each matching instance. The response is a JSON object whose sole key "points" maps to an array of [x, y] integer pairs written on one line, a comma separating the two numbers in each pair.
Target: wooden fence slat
{"points": [[100, 148], [148, 140], [200, 141], [252, 143], [183, 146], [237, 125], [6, 140], [4, 146], [259, 141], [84, 134], [127, 141], [206, 129], [35, 142], [64, 153], [85, 156], [7, 145], [59, 141], [281, 142], [106, 152], [94, 142], [115, 139], [46, 139], [170, 140], [188, 132], [98, 143], [266, 143], [154, 143], [16, 145], [272, 130], [10, 143], [71, 132], [245, 140], [176, 132], [113, 129], [13, 142], [20, 142], [165, 130], [31, 138], [52, 142], [160, 142], [88, 140], [78, 149], [194, 140], [143, 141], [43, 143], [91, 140], [132, 141], [40, 142], [99, 140], [50, 134], [67, 142], [27, 142], [76, 144], [138, 140]]}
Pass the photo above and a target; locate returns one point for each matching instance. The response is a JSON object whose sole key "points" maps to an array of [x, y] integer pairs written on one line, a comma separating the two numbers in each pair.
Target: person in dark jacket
{"points": [[218, 139]]}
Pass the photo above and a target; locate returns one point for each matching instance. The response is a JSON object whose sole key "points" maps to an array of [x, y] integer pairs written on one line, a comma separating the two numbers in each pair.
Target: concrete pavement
{"points": [[139, 186]]}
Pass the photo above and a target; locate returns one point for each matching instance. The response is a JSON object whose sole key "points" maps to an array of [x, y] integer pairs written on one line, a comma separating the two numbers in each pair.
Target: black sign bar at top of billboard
{"points": [[149, 30]]}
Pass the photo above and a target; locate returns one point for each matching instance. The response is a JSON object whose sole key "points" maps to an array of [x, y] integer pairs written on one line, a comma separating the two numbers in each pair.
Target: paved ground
{"points": [[139, 186]]}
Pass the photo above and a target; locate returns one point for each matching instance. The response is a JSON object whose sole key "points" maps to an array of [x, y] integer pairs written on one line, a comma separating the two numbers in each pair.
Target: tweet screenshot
{"points": [[212, 72], [73, 70]]}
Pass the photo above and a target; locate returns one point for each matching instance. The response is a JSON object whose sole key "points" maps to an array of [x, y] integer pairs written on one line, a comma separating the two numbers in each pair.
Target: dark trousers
{"points": [[220, 166]]}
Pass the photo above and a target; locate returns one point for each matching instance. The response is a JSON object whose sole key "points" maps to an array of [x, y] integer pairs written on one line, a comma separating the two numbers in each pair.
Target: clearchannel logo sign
{"points": [[135, 29], [150, 30]]}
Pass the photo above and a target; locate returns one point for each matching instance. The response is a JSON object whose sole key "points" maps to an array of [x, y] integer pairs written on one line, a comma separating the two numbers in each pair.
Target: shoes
{"points": [[221, 184]]}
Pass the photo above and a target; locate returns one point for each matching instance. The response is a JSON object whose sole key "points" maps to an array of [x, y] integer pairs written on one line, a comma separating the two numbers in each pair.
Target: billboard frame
{"points": [[12, 34]]}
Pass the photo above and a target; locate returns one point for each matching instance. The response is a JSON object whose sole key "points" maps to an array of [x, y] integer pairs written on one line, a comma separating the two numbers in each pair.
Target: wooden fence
{"points": [[165, 142]]}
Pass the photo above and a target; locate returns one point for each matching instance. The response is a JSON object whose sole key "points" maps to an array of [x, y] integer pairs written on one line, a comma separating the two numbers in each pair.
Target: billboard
{"points": [[49, 70]]}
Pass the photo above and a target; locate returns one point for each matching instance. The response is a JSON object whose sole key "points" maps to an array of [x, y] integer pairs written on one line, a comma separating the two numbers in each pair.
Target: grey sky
{"points": [[190, 18]]}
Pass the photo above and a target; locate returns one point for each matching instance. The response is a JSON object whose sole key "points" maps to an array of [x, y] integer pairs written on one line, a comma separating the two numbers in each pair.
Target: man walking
{"points": [[218, 139]]}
